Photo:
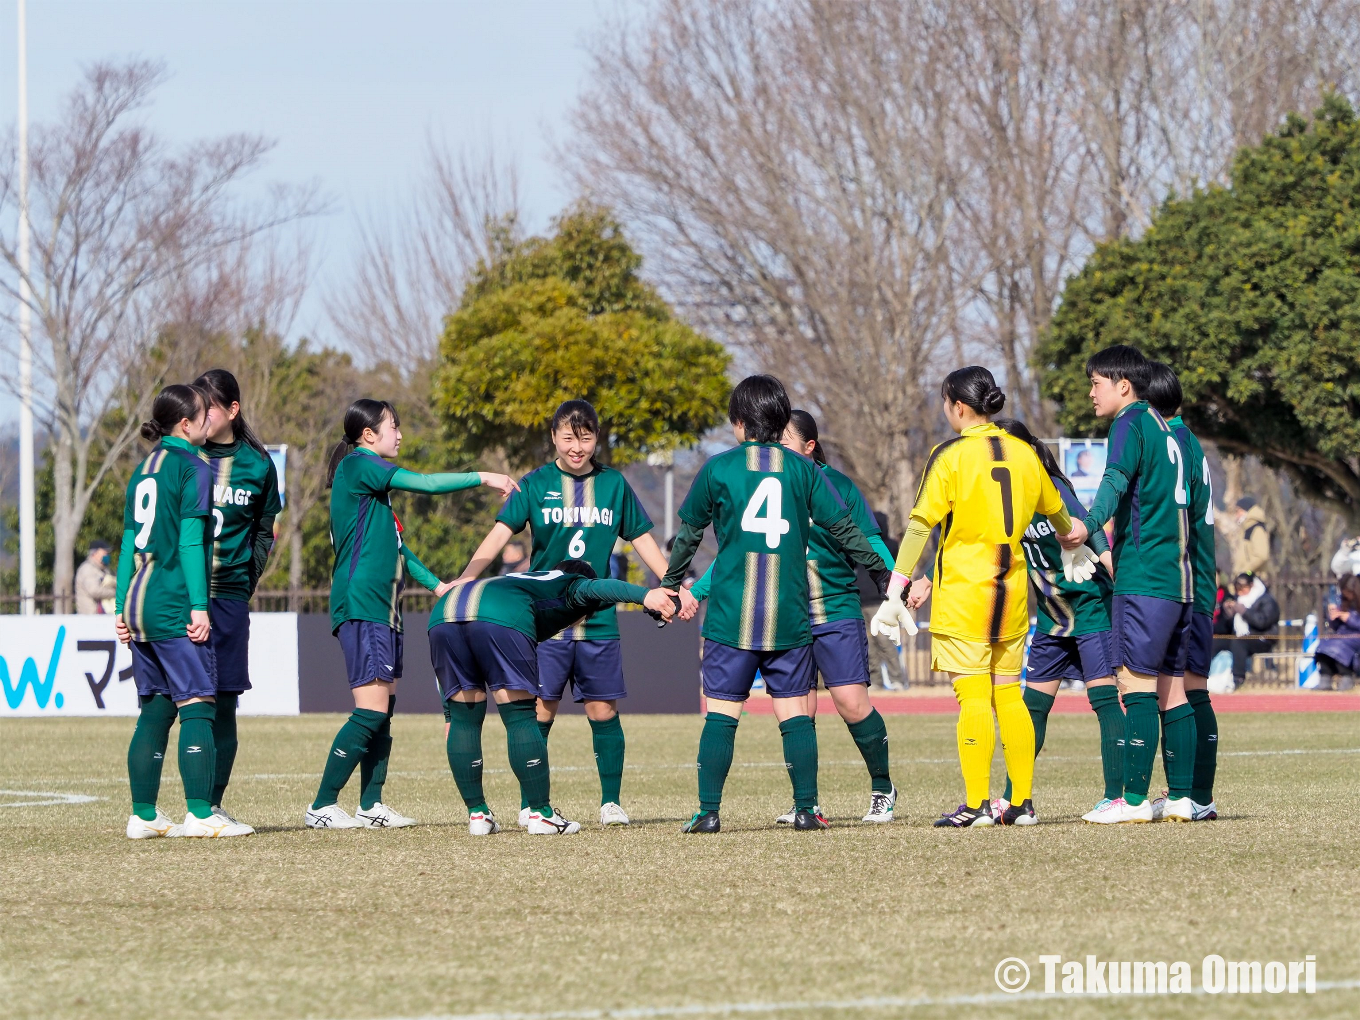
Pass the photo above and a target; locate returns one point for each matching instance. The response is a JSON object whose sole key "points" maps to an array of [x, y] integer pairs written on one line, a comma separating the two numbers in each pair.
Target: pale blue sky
{"points": [[350, 90]]}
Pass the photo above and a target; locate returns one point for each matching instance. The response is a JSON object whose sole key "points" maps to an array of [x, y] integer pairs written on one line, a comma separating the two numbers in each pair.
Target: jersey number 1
{"points": [[1002, 477], [769, 495]]}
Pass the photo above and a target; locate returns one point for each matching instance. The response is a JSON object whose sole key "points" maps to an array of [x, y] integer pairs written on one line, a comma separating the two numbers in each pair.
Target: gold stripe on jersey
{"points": [[224, 466], [748, 589], [586, 503], [394, 599], [770, 599], [1000, 594], [141, 582], [815, 593], [760, 601], [773, 455]]}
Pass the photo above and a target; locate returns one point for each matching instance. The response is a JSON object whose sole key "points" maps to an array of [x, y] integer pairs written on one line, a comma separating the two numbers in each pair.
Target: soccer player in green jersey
{"points": [[762, 501], [162, 612], [1164, 394], [840, 645], [245, 502], [1144, 491], [371, 561], [576, 508], [487, 636]]}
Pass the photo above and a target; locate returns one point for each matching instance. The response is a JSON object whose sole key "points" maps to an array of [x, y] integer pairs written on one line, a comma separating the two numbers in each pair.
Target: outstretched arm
{"points": [[421, 574], [450, 481], [490, 548], [687, 541]]}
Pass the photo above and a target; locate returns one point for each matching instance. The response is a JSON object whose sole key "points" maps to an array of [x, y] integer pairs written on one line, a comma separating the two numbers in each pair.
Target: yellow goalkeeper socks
{"points": [[1017, 738], [977, 737]]}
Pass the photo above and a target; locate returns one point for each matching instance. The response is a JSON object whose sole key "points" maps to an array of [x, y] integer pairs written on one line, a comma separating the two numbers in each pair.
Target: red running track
{"points": [[935, 704]]}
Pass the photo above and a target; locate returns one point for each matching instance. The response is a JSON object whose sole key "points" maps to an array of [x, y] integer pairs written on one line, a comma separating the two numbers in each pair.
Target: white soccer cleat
{"points": [[612, 814], [787, 817], [1178, 809], [219, 813], [551, 825], [332, 816], [881, 807], [482, 823], [212, 827], [1141, 813], [524, 818], [1107, 812], [140, 828], [1079, 564], [1204, 812], [380, 816], [1158, 806]]}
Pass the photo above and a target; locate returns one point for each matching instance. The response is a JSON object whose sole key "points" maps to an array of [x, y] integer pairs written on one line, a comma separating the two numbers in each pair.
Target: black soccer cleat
{"points": [[1018, 814], [703, 821], [965, 817], [810, 820]]}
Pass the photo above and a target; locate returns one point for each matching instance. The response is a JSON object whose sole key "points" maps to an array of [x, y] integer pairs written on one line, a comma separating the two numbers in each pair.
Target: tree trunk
{"points": [[65, 524], [295, 565]]}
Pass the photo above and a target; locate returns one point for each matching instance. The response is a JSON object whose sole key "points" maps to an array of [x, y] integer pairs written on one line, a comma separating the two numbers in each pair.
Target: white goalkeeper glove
{"points": [[1079, 564], [892, 619]]}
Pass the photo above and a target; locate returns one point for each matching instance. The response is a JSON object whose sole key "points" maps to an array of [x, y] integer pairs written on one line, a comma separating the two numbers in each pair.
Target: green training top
{"points": [[577, 517], [1201, 518], [245, 503], [537, 603], [168, 498], [1144, 490], [1065, 608]]}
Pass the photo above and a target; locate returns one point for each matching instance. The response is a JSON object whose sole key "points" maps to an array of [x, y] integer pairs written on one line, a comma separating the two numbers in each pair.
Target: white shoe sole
{"points": [[877, 819]]}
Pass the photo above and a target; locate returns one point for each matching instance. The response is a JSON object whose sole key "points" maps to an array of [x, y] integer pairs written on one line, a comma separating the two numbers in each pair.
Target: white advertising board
{"points": [[74, 665]]}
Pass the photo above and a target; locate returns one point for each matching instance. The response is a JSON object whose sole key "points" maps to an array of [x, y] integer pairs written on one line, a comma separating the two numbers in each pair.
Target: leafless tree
{"points": [[130, 242]]}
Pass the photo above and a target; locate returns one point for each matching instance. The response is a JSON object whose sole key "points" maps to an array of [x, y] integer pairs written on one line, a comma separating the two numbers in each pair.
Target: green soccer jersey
{"points": [[762, 501], [832, 587], [174, 483], [1065, 608], [537, 603], [1144, 490], [1201, 518], [579, 518], [367, 576], [245, 503]]}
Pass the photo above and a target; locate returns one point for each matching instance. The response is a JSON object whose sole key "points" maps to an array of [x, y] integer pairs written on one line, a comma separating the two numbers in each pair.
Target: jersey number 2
{"points": [[769, 494], [1173, 450], [144, 510]]}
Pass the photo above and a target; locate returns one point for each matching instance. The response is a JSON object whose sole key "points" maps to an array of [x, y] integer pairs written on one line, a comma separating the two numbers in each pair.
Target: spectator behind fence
{"points": [[1338, 657], [1346, 561], [1254, 612], [885, 661], [95, 584], [1250, 543]]}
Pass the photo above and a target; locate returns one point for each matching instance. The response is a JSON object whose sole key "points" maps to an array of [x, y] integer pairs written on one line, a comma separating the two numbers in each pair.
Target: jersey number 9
{"points": [[144, 510], [769, 495]]}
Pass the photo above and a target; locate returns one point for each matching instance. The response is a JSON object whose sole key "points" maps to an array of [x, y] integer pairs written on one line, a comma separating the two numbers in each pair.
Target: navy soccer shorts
{"points": [[481, 656], [1200, 644], [178, 668], [372, 651], [230, 641], [1151, 635], [840, 649], [593, 668], [729, 672], [1086, 658]]}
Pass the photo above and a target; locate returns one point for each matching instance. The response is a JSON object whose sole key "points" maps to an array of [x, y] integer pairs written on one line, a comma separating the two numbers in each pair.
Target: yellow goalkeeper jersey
{"points": [[982, 488]]}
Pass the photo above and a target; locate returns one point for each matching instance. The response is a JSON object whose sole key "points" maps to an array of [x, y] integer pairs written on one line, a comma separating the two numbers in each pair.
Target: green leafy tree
{"points": [[1252, 294], [567, 317]]}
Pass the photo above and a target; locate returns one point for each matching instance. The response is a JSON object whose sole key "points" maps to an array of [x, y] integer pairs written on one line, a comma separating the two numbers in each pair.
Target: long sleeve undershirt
{"points": [[434, 484], [192, 561], [126, 552], [421, 574]]}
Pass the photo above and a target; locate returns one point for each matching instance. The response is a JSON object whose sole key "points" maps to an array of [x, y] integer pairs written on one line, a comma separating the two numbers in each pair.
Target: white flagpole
{"points": [[27, 560]]}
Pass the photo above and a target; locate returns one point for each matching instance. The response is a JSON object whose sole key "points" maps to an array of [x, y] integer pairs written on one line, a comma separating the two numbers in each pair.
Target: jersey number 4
{"points": [[769, 496]]}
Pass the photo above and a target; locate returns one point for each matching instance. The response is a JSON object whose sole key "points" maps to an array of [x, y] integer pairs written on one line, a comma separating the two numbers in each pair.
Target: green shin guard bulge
{"points": [[716, 744], [225, 742], [1104, 701], [1142, 727], [871, 737], [1039, 705], [1206, 747], [347, 751], [608, 744], [800, 757], [528, 752], [146, 753], [1178, 750], [373, 766], [464, 747], [196, 765]]}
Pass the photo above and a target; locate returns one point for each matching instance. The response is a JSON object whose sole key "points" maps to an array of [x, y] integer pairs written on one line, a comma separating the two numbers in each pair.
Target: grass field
{"points": [[429, 921]]}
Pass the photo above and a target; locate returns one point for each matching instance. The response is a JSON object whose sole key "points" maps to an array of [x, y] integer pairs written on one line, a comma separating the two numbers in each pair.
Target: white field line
{"points": [[844, 1005], [50, 798]]}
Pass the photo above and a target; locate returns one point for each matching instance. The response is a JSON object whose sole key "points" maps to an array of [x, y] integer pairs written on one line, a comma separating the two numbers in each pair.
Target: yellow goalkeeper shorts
{"points": [[974, 658]]}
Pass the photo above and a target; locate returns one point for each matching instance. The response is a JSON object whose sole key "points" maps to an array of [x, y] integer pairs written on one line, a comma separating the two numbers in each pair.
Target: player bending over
{"points": [[487, 636], [762, 501], [371, 560], [577, 508], [1144, 490], [840, 647], [983, 488], [1164, 394]]}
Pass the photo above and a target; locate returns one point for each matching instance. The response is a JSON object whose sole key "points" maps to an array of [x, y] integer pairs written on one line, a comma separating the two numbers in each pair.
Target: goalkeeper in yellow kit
{"points": [[982, 488]]}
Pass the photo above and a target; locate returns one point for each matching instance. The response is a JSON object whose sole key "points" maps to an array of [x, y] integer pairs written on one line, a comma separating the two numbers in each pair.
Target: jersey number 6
{"points": [[769, 495]]}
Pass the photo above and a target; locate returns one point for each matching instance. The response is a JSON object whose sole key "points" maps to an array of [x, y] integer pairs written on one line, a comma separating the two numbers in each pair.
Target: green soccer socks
{"points": [[464, 747], [607, 738], [545, 727], [224, 740], [870, 735], [347, 751], [1110, 716], [1142, 725], [373, 765], [528, 752], [146, 753], [800, 758], [1206, 747], [1039, 705], [716, 744], [1178, 750], [196, 765]]}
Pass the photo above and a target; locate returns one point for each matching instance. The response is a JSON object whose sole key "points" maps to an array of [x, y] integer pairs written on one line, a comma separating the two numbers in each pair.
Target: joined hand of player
{"points": [[1079, 564], [918, 593], [120, 629], [661, 602], [689, 605], [502, 483], [444, 586], [199, 626], [892, 619], [1077, 536]]}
